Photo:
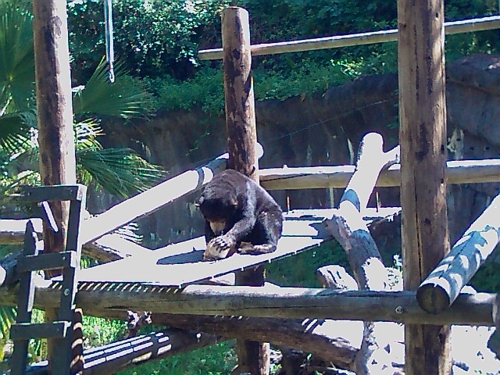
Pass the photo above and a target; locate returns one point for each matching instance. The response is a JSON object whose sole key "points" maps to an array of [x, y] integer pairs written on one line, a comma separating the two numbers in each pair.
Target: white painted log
{"points": [[438, 291]]}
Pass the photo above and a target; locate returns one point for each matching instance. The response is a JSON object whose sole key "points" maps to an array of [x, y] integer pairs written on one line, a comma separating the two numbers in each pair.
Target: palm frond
{"points": [[86, 133], [17, 67], [125, 98], [119, 171], [15, 130], [7, 317]]}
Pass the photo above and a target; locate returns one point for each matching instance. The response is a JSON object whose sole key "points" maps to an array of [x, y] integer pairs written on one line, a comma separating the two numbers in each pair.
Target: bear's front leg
{"points": [[219, 248], [248, 248]]}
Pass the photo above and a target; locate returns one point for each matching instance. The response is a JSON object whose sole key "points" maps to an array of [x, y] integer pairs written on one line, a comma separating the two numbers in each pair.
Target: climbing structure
{"points": [[174, 281]]}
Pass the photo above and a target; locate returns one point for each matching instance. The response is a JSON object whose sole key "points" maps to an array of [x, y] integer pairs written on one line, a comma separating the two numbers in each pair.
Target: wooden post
{"points": [[54, 108], [253, 357], [55, 116], [422, 134]]}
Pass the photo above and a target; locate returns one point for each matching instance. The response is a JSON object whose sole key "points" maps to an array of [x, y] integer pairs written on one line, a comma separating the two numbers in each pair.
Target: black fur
{"points": [[239, 216]]}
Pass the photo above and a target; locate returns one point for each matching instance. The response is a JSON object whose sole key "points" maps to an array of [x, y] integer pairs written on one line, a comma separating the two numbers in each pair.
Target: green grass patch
{"points": [[218, 359]]}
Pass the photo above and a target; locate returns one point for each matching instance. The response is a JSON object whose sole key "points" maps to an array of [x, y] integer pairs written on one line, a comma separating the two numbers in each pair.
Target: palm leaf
{"points": [[17, 67], [124, 98], [117, 170], [7, 317], [86, 133], [14, 130]]}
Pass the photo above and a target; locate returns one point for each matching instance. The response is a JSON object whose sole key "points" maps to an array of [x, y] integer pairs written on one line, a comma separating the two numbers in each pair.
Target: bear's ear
{"points": [[199, 201], [233, 201]]}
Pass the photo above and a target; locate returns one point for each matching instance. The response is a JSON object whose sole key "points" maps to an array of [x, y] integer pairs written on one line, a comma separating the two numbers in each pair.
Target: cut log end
{"points": [[433, 298]]}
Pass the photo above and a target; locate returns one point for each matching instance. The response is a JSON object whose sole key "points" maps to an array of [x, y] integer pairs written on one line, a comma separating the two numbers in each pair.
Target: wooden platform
{"points": [[180, 264]]}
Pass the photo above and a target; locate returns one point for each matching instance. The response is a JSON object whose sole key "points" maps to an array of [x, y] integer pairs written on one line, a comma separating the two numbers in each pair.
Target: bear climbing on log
{"points": [[240, 216]]}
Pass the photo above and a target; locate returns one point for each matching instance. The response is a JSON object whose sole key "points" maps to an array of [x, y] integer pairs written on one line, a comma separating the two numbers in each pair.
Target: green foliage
{"points": [[204, 90], [126, 97], [303, 79], [17, 69], [100, 331], [154, 37], [158, 40], [120, 170], [218, 359], [300, 270], [487, 279]]}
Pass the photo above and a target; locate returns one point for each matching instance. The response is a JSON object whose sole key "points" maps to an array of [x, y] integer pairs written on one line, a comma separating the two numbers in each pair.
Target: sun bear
{"points": [[240, 216]]}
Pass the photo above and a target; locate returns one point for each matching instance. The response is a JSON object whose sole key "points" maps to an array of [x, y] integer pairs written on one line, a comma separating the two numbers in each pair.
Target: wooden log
{"points": [[253, 357], [107, 248], [122, 354], [338, 41], [290, 178], [347, 224], [309, 335], [422, 114], [438, 291], [336, 277], [271, 302], [12, 230], [150, 200], [54, 109], [8, 274], [350, 230], [238, 92], [54, 120], [494, 340]]}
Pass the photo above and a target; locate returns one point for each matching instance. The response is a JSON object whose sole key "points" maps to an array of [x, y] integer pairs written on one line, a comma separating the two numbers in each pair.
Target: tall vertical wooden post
{"points": [[54, 107], [422, 134], [253, 357], [54, 114]]}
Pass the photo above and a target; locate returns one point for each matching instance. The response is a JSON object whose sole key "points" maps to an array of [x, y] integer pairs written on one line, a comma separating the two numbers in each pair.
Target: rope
{"points": [[108, 24]]}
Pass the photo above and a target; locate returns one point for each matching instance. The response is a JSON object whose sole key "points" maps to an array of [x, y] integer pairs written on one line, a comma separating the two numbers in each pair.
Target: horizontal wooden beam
{"points": [[289, 178], [267, 301], [338, 41]]}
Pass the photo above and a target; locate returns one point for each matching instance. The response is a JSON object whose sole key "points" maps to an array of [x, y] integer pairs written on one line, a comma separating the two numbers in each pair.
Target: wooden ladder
{"points": [[31, 261]]}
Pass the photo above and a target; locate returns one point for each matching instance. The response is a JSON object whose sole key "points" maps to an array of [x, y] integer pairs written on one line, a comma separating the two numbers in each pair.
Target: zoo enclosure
{"points": [[216, 300]]}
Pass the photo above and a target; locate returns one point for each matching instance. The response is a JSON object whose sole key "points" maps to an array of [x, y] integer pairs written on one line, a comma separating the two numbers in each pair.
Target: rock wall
{"points": [[320, 130]]}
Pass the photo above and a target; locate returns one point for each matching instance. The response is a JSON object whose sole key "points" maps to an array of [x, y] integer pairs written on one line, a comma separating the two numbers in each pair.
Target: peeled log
{"points": [[440, 289]]}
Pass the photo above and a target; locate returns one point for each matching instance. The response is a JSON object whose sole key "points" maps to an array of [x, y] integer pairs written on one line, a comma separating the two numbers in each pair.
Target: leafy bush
{"points": [[154, 37], [158, 42]]}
